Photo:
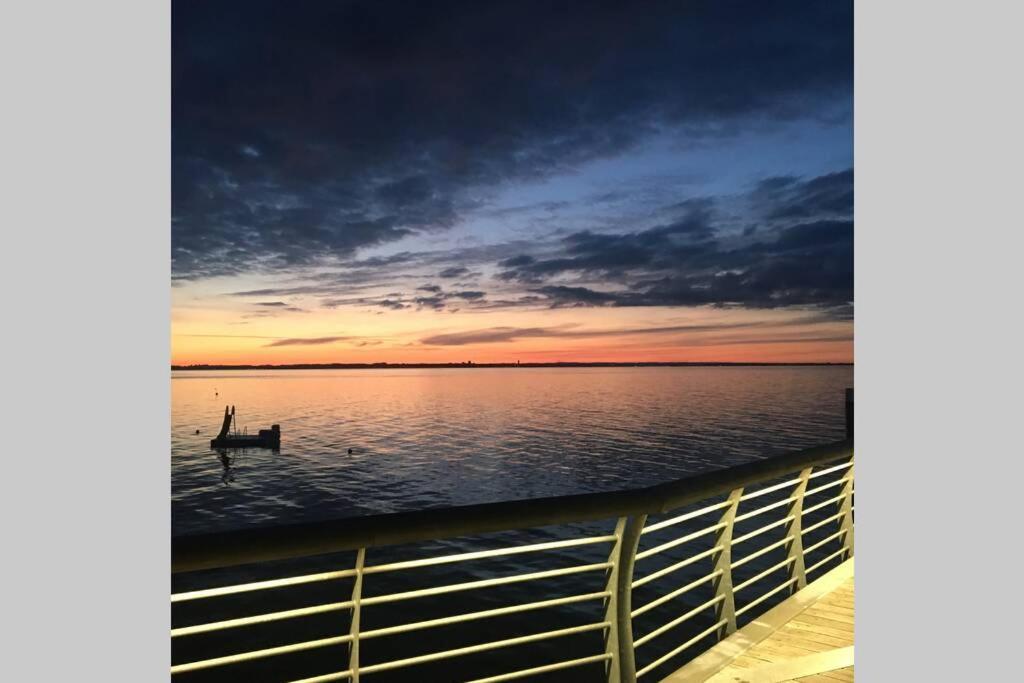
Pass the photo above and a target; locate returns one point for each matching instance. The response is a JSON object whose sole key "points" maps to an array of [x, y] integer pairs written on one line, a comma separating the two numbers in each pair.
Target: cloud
{"points": [[799, 254], [612, 254], [787, 242], [507, 334], [308, 341], [304, 134], [493, 335], [453, 272], [468, 295], [787, 198]]}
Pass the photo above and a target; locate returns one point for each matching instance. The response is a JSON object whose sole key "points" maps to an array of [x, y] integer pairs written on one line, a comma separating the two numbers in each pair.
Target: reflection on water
{"points": [[368, 441], [227, 461]]}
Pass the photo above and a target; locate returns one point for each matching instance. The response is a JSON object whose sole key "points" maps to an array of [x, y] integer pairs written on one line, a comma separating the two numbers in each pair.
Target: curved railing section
{"points": [[650, 576]]}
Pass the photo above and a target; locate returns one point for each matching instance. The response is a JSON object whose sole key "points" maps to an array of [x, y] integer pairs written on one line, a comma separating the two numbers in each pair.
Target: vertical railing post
{"points": [[357, 595], [611, 606], [619, 611], [726, 607], [795, 548], [846, 520]]}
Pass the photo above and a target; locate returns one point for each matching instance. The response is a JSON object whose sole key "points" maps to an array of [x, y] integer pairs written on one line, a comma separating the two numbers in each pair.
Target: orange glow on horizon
{"points": [[219, 334]]}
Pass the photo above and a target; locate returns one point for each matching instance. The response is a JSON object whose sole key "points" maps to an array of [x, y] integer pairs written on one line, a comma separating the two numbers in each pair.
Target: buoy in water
{"points": [[350, 451]]}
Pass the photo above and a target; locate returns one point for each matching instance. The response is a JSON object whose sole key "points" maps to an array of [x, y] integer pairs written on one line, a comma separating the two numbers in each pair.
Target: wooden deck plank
{"points": [[820, 639], [790, 668], [817, 620], [801, 639], [808, 637], [817, 628], [845, 675], [778, 651]]}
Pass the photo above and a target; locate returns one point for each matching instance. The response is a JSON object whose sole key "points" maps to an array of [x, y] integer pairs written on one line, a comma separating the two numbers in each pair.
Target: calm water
{"points": [[428, 438]]}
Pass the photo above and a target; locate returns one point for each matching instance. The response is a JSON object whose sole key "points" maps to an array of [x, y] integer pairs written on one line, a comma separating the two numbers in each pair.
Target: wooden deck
{"points": [[807, 638]]}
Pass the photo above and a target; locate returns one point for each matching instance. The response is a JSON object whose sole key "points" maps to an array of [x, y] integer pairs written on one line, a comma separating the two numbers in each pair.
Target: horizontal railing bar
{"points": [[762, 551], [483, 583], [679, 541], [822, 504], [678, 620], [557, 666], [824, 541], [818, 525], [829, 485], [770, 489], [483, 647], [259, 619], [223, 549], [754, 579], [765, 596], [484, 614], [830, 557], [664, 658], [682, 518], [830, 470], [480, 554], [674, 567], [766, 508], [262, 585], [757, 532], [339, 676], [259, 654], [676, 593]]}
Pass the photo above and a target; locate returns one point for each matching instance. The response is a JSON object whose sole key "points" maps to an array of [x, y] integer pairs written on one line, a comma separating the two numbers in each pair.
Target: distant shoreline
{"points": [[428, 366]]}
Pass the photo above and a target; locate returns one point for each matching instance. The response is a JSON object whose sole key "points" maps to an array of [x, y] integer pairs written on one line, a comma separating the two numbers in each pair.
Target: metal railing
{"points": [[694, 558]]}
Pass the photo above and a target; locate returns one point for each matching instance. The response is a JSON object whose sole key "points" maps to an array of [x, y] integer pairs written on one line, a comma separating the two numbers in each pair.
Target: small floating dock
{"points": [[265, 438]]}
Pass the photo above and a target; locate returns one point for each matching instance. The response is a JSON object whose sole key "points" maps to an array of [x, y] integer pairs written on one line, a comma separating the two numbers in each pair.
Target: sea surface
{"points": [[430, 438], [440, 437]]}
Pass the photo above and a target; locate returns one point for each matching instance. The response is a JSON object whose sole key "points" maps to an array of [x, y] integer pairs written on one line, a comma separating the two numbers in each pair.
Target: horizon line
{"points": [[384, 365]]}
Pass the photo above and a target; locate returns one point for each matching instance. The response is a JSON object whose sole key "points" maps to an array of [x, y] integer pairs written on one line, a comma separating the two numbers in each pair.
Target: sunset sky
{"points": [[443, 182]]}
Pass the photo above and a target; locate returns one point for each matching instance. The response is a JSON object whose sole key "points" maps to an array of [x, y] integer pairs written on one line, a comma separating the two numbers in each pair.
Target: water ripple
{"points": [[429, 438]]}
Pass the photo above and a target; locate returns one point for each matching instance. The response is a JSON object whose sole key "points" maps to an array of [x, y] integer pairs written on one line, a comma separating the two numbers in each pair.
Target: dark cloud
{"points": [[308, 341], [507, 334], [468, 295], [493, 335], [787, 198], [799, 254], [517, 261], [438, 299], [302, 133], [453, 272], [561, 295], [788, 242], [613, 254], [434, 302], [273, 308]]}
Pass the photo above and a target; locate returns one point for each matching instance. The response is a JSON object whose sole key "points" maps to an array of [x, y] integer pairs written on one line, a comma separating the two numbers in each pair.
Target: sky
{"points": [[524, 181]]}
